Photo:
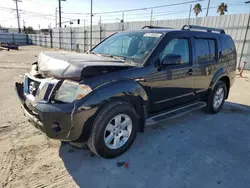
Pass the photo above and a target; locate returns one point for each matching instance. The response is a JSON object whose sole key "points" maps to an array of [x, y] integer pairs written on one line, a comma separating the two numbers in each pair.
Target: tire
{"points": [[211, 107], [105, 122], [80, 145]]}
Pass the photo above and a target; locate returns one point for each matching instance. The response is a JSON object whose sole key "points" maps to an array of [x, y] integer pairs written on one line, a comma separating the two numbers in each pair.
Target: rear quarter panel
{"points": [[228, 56]]}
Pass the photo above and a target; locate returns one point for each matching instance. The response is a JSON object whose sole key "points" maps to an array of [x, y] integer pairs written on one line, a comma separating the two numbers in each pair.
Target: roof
{"points": [[186, 28]]}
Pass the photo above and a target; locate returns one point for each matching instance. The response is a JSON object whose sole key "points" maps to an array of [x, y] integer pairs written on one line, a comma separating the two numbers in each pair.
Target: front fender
{"points": [[128, 90], [113, 90]]}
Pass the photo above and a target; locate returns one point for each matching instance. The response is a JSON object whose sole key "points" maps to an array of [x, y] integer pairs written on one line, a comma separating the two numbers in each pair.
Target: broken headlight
{"points": [[71, 91]]}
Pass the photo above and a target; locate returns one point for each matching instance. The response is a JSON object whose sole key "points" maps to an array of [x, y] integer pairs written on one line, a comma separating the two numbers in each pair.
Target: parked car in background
{"points": [[129, 80]]}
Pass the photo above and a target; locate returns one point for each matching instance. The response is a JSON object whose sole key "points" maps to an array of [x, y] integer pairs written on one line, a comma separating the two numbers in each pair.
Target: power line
{"points": [[41, 3], [155, 15], [114, 15], [145, 8], [7, 19], [33, 13], [159, 14], [154, 7], [145, 13]]}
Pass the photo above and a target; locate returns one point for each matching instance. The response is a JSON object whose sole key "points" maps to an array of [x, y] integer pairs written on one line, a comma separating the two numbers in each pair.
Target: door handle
{"points": [[190, 72]]}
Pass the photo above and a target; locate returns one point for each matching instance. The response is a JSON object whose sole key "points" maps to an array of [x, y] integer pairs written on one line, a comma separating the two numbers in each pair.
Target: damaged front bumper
{"points": [[58, 121]]}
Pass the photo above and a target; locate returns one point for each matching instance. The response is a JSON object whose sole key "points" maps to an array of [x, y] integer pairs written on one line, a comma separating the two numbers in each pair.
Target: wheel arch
{"points": [[126, 90], [221, 75], [226, 80]]}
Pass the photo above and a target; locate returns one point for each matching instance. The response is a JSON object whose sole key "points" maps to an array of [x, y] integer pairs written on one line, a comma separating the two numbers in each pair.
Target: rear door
{"points": [[206, 59]]}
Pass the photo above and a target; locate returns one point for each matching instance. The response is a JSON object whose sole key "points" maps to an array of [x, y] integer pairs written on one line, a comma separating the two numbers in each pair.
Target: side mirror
{"points": [[171, 59]]}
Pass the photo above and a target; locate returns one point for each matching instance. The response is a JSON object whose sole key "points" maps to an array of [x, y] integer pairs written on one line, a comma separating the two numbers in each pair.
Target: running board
{"points": [[174, 113]]}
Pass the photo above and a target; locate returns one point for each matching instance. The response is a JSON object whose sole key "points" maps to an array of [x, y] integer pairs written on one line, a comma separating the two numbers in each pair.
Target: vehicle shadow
{"points": [[201, 147]]}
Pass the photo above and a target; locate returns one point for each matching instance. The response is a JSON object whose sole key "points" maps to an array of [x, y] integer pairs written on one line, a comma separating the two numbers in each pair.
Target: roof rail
{"points": [[208, 29], [155, 27]]}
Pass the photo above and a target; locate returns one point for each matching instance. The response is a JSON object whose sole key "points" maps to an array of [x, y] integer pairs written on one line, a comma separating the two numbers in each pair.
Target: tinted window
{"points": [[227, 45], [212, 49], [177, 47], [205, 49]]}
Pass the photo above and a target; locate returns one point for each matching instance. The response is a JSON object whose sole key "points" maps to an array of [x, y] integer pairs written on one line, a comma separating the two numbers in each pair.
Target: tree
{"points": [[197, 9], [45, 31], [222, 8], [29, 30]]}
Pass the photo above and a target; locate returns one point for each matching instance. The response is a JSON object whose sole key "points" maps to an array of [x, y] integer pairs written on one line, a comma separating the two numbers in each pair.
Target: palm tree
{"points": [[222, 8], [197, 9]]}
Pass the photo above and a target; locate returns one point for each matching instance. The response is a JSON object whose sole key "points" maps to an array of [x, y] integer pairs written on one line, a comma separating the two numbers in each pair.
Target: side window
{"points": [[205, 49], [177, 47], [212, 49], [227, 46]]}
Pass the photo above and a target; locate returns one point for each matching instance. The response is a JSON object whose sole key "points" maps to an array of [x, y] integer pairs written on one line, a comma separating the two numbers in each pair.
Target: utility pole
{"points": [[100, 22], [245, 38], [91, 16], [123, 16], [190, 10], [151, 17], [60, 16], [24, 28], [17, 15], [208, 5], [122, 21], [56, 19]]}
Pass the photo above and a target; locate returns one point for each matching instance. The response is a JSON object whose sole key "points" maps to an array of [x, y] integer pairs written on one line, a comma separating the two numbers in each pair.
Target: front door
{"points": [[173, 84]]}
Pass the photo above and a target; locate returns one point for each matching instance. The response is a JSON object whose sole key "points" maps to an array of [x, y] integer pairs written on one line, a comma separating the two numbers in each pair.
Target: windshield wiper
{"points": [[109, 55], [113, 56], [91, 52]]}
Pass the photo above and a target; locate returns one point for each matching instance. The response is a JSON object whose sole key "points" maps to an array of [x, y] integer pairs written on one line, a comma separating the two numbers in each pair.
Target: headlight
{"points": [[70, 91]]}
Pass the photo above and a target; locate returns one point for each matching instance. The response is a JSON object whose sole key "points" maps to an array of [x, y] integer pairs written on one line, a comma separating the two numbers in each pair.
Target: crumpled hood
{"points": [[70, 64]]}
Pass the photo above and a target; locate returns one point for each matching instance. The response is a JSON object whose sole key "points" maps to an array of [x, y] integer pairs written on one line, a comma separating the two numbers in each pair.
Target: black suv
{"points": [[129, 80]]}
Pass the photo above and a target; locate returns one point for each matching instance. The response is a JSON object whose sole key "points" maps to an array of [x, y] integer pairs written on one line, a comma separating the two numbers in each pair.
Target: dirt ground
{"points": [[196, 150]]}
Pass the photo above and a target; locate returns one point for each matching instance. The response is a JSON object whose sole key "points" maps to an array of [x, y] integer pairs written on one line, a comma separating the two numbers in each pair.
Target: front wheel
{"points": [[217, 97], [114, 130]]}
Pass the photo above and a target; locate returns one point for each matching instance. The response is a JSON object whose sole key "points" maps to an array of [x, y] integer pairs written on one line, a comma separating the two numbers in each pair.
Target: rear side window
{"points": [[228, 47], [205, 49]]}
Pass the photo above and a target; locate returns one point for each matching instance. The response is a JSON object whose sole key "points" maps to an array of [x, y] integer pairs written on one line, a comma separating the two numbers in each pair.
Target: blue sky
{"points": [[46, 10]]}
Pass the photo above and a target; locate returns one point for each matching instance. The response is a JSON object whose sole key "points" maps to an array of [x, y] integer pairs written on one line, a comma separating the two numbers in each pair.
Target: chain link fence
{"points": [[21, 39]]}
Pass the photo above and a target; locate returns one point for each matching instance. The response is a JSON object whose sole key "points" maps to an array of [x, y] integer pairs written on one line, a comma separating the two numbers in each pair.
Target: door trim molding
{"points": [[180, 96]]}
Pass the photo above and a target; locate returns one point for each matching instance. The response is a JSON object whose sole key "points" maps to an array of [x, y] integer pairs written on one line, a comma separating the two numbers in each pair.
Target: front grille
{"points": [[37, 89], [48, 92]]}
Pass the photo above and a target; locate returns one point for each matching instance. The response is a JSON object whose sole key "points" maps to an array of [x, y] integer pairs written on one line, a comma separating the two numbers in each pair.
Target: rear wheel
{"points": [[217, 98], [114, 130]]}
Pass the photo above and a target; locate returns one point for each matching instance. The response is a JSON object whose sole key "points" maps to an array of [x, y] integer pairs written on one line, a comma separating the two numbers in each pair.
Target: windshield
{"points": [[135, 46]]}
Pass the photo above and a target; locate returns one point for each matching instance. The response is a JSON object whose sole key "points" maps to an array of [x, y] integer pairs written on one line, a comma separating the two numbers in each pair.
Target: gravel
{"points": [[195, 150]]}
